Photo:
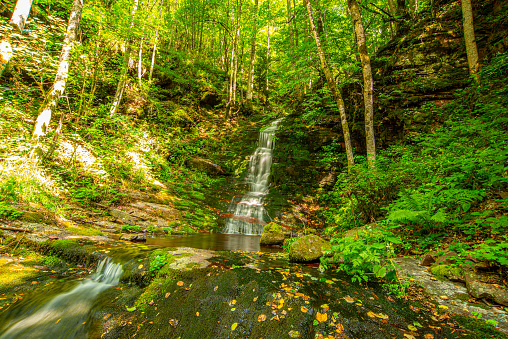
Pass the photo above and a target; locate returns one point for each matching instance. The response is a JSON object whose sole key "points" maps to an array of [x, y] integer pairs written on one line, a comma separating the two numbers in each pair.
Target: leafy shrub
{"points": [[364, 255]]}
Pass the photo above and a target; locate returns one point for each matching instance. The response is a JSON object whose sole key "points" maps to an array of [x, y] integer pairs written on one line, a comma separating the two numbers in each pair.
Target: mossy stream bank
{"points": [[189, 293]]}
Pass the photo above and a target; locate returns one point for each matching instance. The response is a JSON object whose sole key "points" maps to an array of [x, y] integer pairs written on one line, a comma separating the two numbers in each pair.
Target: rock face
{"points": [[273, 234], [206, 166], [481, 290], [427, 260], [308, 248]]}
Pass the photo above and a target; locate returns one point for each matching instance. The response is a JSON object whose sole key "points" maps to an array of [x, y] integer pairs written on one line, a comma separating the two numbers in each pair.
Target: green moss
{"points": [[64, 243], [446, 271], [478, 329], [85, 231]]}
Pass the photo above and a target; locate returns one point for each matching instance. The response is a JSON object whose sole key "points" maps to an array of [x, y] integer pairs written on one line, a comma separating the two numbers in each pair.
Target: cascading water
{"points": [[64, 316], [248, 214]]}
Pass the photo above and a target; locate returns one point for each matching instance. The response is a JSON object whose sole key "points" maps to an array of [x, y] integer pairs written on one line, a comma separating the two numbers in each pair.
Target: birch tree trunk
{"points": [[250, 81], [368, 88], [267, 54], [469, 37], [152, 63], [333, 88], [58, 88], [18, 20]]}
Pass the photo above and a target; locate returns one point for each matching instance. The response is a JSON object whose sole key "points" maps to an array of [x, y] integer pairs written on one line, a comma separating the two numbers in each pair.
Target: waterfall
{"points": [[248, 214], [64, 316]]}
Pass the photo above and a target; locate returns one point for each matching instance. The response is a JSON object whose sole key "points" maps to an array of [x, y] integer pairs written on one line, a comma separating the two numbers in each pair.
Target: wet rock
{"points": [[307, 248], [133, 237], [53, 237], [273, 234], [428, 259], [206, 166], [481, 290]]}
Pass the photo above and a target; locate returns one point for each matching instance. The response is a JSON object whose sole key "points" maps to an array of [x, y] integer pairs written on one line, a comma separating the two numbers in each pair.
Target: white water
{"points": [[65, 315], [249, 214]]}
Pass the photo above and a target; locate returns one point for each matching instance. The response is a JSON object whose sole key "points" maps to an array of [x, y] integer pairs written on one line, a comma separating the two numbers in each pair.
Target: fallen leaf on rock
{"points": [[412, 328], [382, 315], [233, 302], [180, 283], [106, 316], [429, 336], [140, 267], [215, 288], [371, 314], [167, 294], [131, 309], [197, 314], [444, 297], [321, 317], [339, 328], [304, 309], [294, 334], [34, 282], [255, 299], [348, 299], [173, 322], [233, 327], [261, 317]]}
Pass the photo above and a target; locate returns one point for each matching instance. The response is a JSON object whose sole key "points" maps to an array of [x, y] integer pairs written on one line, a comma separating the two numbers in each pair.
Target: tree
{"points": [[469, 37], [58, 88], [250, 81], [18, 20], [368, 88], [333, 88]]}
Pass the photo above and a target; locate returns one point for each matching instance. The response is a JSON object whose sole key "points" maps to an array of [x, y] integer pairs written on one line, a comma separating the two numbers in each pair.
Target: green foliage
{"points": [[158, 259], [51, 261], [8, 212], [364, 255]]}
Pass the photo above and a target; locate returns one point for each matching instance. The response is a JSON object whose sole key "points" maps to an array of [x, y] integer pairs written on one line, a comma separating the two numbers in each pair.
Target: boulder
{"points": [[427, 260], [447, 258], [308, 248], [481, 290], [273, 234], [133, 237], [206, 166]]}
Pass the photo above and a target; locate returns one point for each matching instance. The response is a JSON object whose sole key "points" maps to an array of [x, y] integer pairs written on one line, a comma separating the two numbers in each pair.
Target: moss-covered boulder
{"points": [[273, 234], [308, 248]]}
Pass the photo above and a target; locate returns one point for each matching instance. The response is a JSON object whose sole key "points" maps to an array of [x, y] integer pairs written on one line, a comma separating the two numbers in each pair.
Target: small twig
{"points": [[18, 243]]}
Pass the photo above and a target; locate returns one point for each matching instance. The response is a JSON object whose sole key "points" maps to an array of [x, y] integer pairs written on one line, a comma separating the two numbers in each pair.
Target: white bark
{"points": [[51, 101], [469, 37], [20, 14], [152, 63]]}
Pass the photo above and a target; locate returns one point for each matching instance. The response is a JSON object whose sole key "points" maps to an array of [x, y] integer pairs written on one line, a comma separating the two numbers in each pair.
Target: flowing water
{"points": [[249, 215], [63, 316]]}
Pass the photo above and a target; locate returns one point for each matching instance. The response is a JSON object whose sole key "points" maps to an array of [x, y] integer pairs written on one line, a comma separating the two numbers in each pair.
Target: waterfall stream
{"points": [[248, 215], [65, 315]]}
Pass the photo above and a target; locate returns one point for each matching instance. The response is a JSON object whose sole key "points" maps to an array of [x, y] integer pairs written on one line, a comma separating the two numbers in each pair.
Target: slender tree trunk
{"points": [[152, 63], [18, 20], [125, 66], [368, 88], [267, 55], [393, 12], [250, 81], [237, 42], [58, 88], [333, 88], [469, 37], [140, 59]]}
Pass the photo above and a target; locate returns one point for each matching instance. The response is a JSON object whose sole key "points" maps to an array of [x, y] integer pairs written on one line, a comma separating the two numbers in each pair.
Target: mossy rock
{"points": [[450, 272], [308, 248], [273, 234]]}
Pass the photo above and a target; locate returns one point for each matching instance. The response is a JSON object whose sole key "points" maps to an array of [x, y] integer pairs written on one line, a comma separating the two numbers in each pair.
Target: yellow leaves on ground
{"points": [[197, 314], [428, 336], [348, 299], [321, 317], [140, 266], [294, 334], [180, 283], [304, 309], [233, 327], [444, 307], [215, 288], [261, 317], [232, 302], [339, 328], [377, 315], [255, 299], [167, 294], [412, 328]]}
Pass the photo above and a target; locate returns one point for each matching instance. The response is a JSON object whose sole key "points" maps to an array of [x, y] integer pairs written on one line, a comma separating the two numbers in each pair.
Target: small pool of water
{"points": [[213, 241]]}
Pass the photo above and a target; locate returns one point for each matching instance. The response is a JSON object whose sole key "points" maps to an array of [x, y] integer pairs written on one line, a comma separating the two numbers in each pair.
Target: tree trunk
{"points": [[18, 20], [250, 81], [469, 37], [58, 88], [152, 63], [368, 88], [333, 88], [267, 54], [393, 12], [125, 66]]}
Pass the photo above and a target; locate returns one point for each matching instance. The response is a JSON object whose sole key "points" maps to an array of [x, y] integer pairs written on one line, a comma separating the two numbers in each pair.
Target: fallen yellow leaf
{"points": [[371, 314], [233, 327], [412, 328], [261, 317], [180, 283], [321, 317], [348, 299], [304, 309]]}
